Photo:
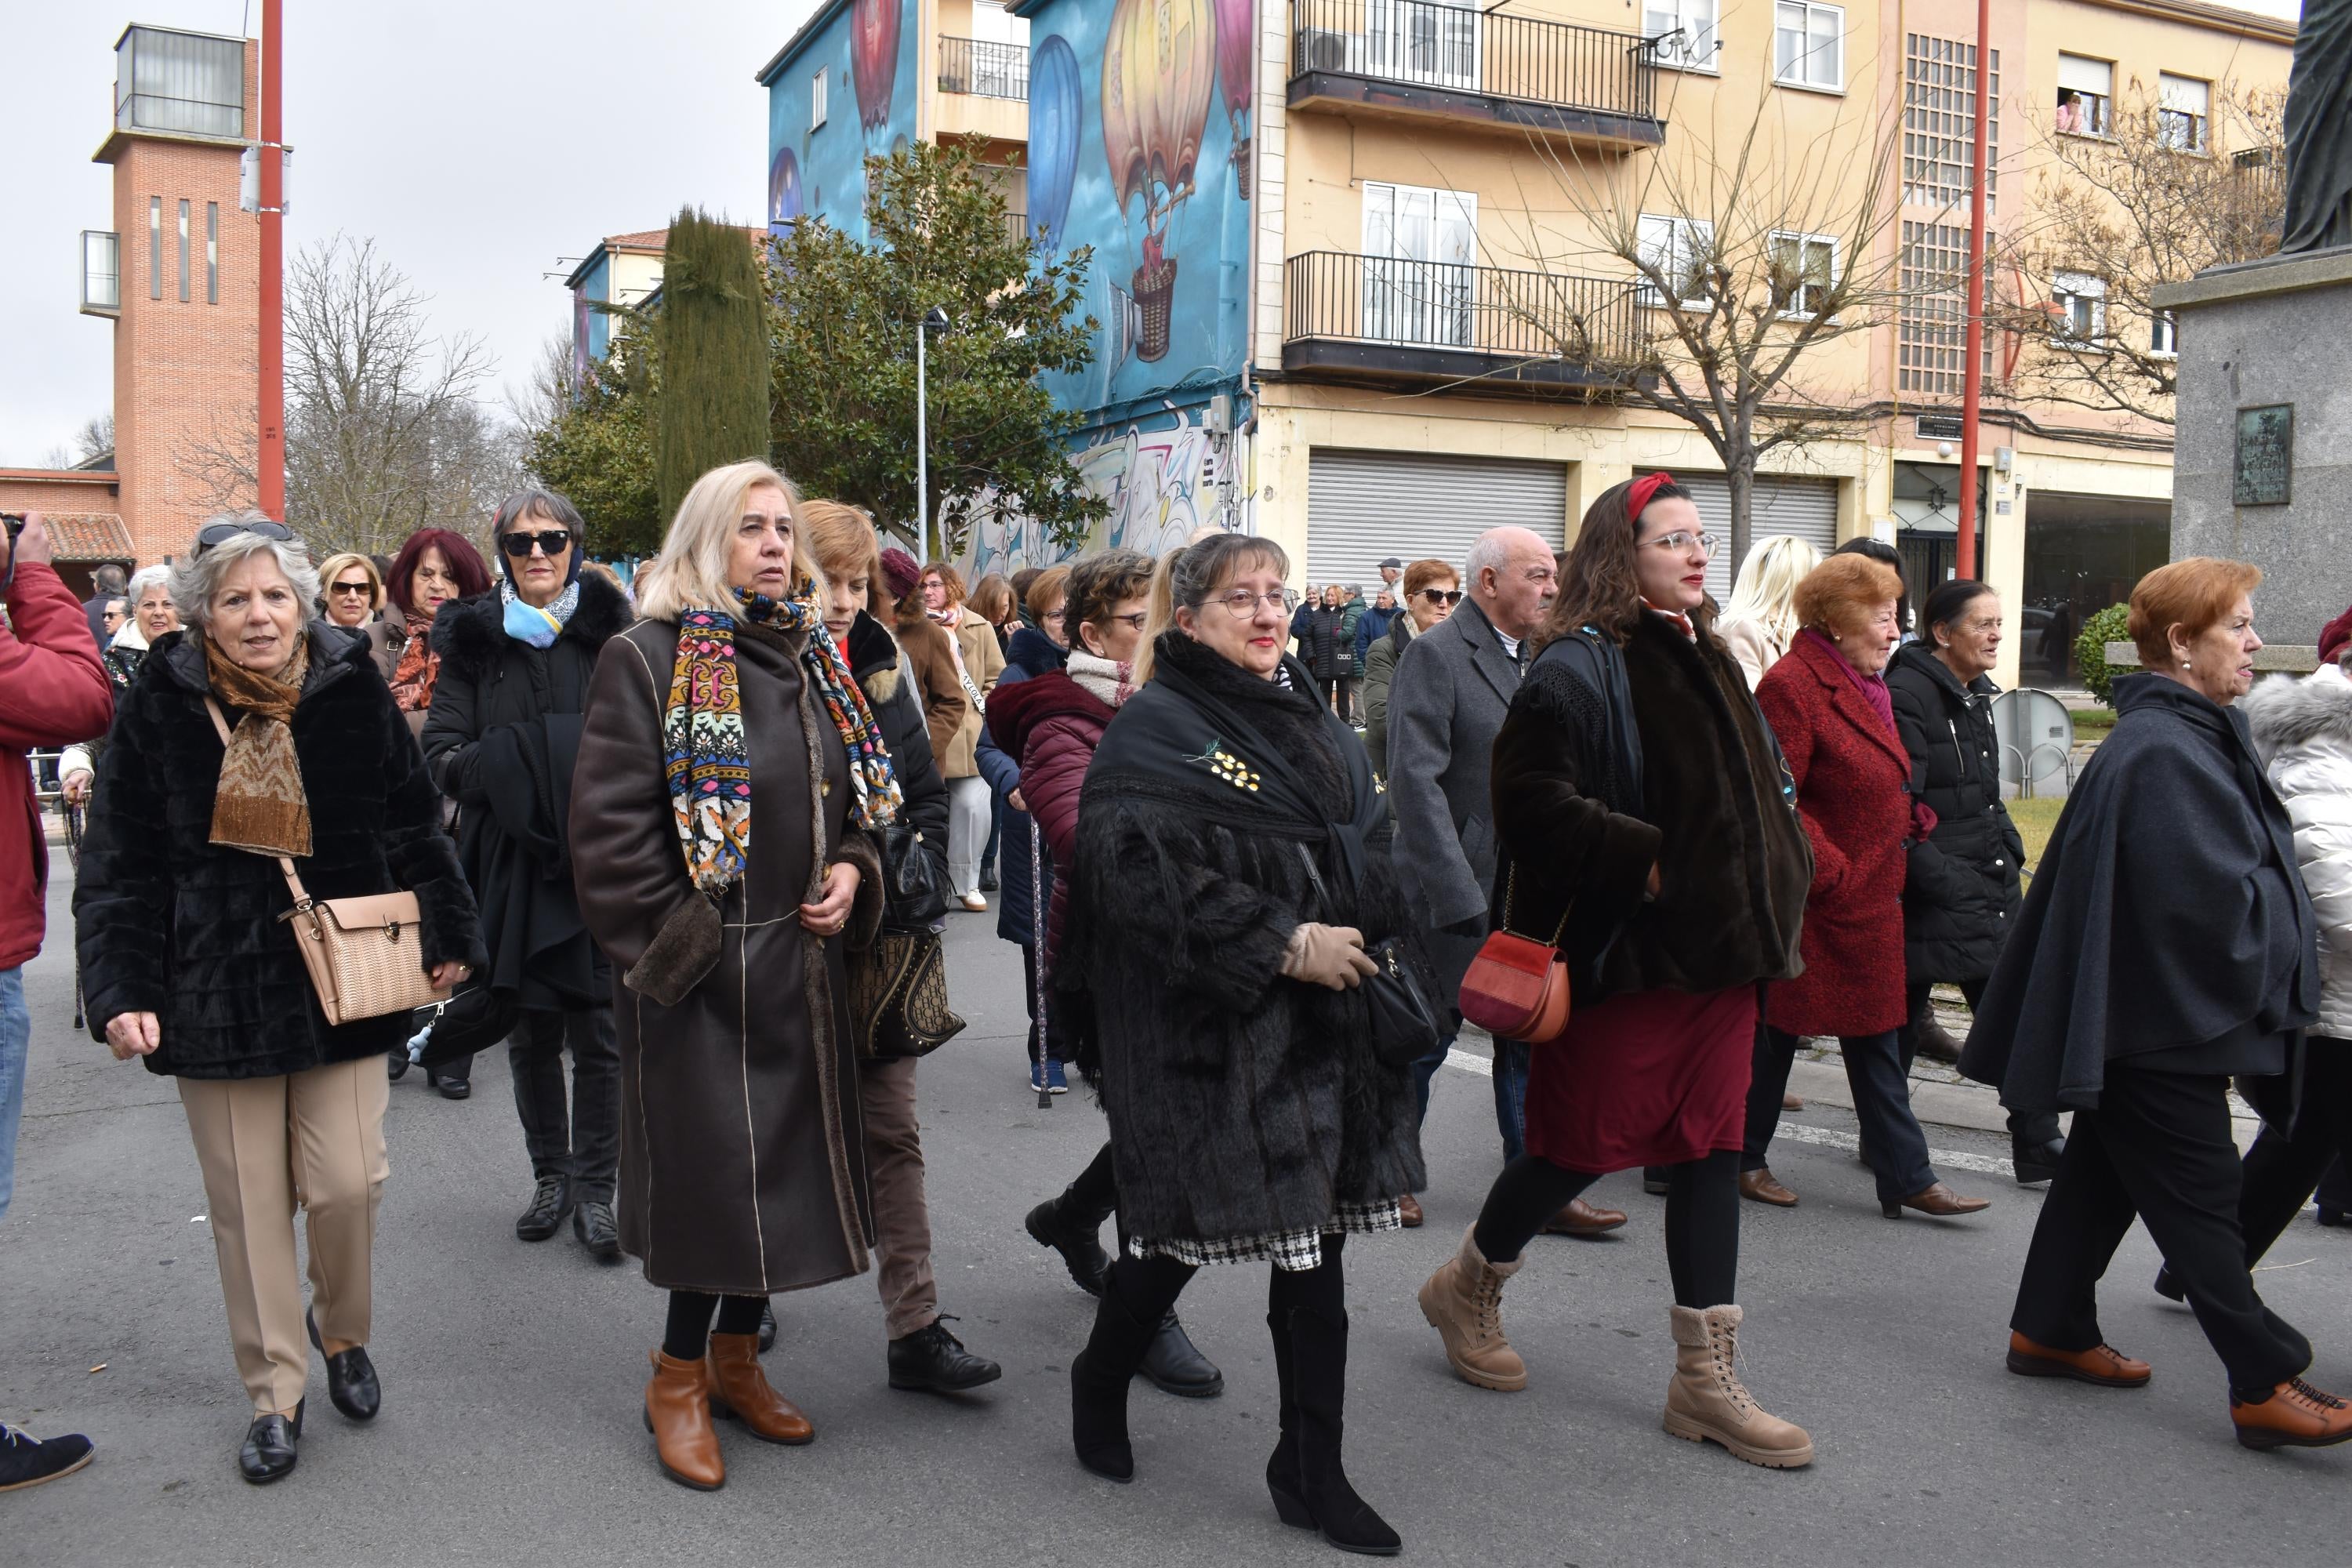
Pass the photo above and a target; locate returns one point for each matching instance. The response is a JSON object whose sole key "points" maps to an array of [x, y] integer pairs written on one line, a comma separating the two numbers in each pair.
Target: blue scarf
{"points": [[529, 624]]}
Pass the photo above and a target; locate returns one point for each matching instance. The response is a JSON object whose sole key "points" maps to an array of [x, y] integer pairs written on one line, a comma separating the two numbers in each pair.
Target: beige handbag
{"points": [[365, 954]]}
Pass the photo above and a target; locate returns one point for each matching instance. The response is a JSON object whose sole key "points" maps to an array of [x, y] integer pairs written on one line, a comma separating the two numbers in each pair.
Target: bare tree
{"points": [[384, 434], [2151, 198]]}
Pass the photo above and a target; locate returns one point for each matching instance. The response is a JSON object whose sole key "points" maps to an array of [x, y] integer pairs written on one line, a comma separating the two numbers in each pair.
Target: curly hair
{"points": [[1838, 594], [1600, 588]]}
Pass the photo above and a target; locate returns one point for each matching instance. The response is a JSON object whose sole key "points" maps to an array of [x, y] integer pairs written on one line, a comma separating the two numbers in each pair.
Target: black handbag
{"points": [[914, 893], [899, 995], [1404, 1025]]}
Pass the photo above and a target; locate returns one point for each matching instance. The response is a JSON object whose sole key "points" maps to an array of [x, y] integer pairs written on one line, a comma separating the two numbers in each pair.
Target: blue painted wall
{"points": [[867, 50]]}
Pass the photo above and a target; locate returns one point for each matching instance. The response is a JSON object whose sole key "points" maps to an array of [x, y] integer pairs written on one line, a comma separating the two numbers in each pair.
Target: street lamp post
{"points": [[934, 320]]}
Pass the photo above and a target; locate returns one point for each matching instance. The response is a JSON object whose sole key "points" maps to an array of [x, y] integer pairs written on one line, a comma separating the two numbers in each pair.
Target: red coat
{"points": [[52, 692], [1853, 781], [1053, 725]]}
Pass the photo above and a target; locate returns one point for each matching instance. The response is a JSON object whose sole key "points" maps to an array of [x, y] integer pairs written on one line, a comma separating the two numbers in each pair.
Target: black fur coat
{"points": [[170, 923], [1240, 1103]]}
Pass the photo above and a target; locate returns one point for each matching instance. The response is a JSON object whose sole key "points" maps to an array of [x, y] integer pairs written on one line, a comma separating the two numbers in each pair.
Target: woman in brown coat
{"points": [[724, 816], [930, 653]]}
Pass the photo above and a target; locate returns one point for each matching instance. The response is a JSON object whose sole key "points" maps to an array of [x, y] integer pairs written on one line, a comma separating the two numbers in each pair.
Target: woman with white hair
{"points": [[188, 959], [152, 615], [726, 812], [1762, 619]]}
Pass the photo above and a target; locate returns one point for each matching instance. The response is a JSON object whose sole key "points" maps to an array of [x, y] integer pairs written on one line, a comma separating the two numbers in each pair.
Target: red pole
{"points": [[1972, 383], [271, 472]]}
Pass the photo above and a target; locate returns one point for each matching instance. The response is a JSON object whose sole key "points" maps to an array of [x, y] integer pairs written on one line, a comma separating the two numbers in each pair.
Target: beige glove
{"points": [[1329, 956]]}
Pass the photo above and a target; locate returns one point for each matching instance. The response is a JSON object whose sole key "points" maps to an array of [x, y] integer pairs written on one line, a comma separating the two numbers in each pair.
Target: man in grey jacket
{"points": [[1446, 702]]}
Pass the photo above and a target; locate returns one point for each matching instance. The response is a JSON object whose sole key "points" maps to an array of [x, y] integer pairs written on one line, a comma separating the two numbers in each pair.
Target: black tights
{"points": [[1702, 1219], [1148, 1287], [688, 1337]]}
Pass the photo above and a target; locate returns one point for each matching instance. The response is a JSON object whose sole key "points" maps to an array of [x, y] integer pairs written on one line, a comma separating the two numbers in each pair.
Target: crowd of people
{"points": [[702, 830]]}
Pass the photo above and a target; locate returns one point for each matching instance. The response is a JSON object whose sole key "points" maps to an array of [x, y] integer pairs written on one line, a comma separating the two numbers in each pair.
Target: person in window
{"points": [[2166, 944], [2070, 120]]}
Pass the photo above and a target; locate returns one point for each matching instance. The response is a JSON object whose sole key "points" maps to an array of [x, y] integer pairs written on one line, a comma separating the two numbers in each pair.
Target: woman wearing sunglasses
{"points": [[1432, 589], [502, 739]]}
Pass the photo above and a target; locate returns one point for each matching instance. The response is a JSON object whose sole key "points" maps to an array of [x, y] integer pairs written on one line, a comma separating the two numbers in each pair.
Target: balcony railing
{"points": [[1446, 318], [102, 273], [984, 70], [1458, 49]]}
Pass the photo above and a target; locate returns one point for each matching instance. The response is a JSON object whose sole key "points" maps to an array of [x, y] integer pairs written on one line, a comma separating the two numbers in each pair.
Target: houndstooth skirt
{"points": [[1295, 1250]]}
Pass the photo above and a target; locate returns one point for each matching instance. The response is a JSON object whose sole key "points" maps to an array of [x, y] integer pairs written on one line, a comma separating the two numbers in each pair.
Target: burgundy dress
{"points": [[1648, 1078]]}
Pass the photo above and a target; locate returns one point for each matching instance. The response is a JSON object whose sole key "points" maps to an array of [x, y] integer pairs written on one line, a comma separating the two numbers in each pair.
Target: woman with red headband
{"points": [[1644, 831]]}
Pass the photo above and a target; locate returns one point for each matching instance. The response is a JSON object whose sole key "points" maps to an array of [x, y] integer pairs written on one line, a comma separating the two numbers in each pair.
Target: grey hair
{"points": [[107, 579], [148, 577], [196, 578], [537, 504]]}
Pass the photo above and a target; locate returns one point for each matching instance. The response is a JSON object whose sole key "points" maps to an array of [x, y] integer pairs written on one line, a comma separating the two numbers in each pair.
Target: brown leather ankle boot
{"points": [[739, 1388], [678, 1413]]}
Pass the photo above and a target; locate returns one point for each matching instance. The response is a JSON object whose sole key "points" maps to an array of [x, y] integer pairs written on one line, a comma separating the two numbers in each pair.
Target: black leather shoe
{"points": [[450, 1088], [598, 1231], [550, 1202], [267, 1453], [1175, 1366], [2168, 1286], [351, 1376], [988, 882], [2035, 1162], [395, 1063], [1057, 1223], [767, 1328], [934, 1360]]}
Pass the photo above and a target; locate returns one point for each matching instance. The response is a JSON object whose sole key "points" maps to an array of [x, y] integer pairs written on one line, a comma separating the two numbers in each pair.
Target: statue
{"points": [[2319, 130]]}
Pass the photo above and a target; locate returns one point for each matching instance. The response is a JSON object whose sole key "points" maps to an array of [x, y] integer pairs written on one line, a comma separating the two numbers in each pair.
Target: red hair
{"points": [[464, 564]]}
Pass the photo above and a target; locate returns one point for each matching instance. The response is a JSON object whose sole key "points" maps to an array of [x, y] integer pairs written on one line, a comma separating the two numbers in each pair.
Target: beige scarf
{"points": [[259, 805]]}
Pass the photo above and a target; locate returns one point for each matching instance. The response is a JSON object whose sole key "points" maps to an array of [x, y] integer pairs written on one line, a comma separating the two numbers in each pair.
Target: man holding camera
{"points": [[52, 692]]}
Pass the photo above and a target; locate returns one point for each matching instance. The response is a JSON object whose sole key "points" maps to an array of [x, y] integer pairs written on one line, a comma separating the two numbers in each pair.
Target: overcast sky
{"points": [[478, 143]]}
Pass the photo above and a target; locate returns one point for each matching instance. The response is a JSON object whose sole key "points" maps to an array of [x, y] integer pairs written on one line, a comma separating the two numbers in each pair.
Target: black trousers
{"points": [[582, 1140], [2158, 1148], [1337, 692], [2282, 1168], [2034, 1127], [1702, 1219], [1897, 1147]]}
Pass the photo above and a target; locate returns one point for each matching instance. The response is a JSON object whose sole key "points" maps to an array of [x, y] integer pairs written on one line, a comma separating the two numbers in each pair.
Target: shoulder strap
{"points": [[293, 882]]}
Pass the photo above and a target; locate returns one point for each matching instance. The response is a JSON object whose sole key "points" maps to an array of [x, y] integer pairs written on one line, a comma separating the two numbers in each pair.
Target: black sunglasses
{"points": [[360, 587], [1442, 595], [213, 535], [551, 543]]}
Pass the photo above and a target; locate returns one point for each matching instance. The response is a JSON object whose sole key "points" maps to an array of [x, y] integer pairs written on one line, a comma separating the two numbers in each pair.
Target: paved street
{"points": [[512, 1374]]}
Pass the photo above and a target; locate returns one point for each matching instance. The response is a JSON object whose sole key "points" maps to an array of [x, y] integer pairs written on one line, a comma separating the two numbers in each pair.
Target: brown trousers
{"points": [[266, 1144], [902, 1219]]}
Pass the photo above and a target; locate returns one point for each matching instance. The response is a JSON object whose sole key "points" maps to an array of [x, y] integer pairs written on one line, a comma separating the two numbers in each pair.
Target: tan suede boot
{"points": [[1707, 1400], [1463, 1302]]}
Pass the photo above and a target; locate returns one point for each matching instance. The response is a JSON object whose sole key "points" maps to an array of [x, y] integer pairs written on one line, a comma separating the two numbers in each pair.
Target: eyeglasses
{"points": [[1708, 543], [358, 588], [1241, 603], [1446, 596], [1134, 621], [1055, 617], [549, 543], [214, 535]]}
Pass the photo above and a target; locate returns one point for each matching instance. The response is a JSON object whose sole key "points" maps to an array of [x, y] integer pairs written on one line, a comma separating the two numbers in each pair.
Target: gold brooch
{"points": [[1228, 767]]}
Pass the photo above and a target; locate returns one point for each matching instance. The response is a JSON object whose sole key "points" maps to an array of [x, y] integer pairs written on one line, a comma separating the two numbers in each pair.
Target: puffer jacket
{"points": [[1961, 890], [1023, 876], [2303, 732], [1052, 724]]}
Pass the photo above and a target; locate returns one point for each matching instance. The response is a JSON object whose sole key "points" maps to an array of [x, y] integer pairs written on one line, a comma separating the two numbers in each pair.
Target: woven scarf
{"points": [[412, 678], [259, 805], [533, 625], [703, 754], [1110, 682]]}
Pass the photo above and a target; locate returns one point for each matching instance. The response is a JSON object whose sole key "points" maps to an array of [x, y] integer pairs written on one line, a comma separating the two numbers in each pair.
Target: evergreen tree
{"points": [[713, 346]]}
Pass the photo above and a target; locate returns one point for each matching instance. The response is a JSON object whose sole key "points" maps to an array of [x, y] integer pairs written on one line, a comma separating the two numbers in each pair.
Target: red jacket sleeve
{"points": [[1788, 697], [53, 689], [1053, 775]]}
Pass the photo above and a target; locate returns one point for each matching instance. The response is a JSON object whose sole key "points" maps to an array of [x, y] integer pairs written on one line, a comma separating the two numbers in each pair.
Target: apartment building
{"points": [[1354, 264]]}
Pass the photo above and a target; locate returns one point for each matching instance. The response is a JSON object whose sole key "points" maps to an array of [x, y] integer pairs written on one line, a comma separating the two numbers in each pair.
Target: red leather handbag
{"points": [[1517, 988]]}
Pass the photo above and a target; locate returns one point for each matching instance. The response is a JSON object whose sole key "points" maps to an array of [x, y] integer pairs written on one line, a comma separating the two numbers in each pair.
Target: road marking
{"points": [[1830, 1137]]}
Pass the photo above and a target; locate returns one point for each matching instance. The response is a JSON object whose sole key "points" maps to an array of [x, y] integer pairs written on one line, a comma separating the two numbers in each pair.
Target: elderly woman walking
{"points": [[725, 814], [1828, 705], [1432, 589], [188, 959], [2167, 943], [151, 616], [350, 593]]}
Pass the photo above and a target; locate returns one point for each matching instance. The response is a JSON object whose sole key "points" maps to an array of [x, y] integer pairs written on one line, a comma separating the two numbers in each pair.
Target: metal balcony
{"points": [[1426, 59], [984, 70], [1373, 318]]}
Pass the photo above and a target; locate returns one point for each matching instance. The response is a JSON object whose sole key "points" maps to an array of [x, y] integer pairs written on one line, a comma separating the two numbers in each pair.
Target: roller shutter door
{"points": [[1363, 507], [1806, 508]]}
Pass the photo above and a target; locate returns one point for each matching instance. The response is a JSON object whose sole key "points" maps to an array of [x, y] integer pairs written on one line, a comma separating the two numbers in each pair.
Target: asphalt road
{"points": [[513, 1372]]}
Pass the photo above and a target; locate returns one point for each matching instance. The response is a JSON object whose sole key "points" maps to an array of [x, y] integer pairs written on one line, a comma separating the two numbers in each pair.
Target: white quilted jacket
{"points": [[2304, 729]]}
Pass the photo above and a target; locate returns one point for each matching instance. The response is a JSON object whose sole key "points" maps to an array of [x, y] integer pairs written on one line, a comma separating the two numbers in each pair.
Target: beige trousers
{"points": [[902, 1218], [266, 1145]]}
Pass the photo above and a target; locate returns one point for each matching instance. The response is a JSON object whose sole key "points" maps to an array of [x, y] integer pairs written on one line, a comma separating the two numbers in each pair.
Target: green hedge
{"points": [[2091, 648]]}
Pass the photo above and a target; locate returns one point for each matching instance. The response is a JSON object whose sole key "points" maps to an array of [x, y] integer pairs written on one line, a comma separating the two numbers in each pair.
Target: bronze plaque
{"points": [[2265, 460]]}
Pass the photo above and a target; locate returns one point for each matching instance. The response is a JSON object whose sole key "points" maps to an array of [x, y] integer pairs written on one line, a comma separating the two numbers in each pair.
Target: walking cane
{"points": [[1037, 936], [73, 859]]}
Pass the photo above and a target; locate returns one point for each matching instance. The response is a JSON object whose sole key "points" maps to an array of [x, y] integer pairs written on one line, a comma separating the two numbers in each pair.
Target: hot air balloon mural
{"points": [[1234, 21], [1159, 66], [873, 58], [1056, 121], [783, 192]]}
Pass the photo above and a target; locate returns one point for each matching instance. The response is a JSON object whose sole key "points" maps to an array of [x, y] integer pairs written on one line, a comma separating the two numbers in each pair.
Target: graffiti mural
{"points": [[874, 29], [865, 51], [1166, 476]]}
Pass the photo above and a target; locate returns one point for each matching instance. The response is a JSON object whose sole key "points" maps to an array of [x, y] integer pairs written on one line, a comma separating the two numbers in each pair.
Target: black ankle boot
{"points": [[550, 1202], [1099, 1377], [1075, 1231], [1173, 1364], [1325, 1502]]}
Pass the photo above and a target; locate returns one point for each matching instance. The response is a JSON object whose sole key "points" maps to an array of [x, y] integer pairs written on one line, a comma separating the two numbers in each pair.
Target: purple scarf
{"points": [[1872, 686]]}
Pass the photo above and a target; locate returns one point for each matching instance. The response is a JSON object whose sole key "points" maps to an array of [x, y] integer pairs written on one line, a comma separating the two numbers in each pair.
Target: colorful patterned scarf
{"points": [[704, 756], [412, 678], [531, 624]]}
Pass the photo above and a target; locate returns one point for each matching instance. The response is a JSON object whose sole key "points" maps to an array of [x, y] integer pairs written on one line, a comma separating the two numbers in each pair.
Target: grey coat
{"points": [[1447, 700]]}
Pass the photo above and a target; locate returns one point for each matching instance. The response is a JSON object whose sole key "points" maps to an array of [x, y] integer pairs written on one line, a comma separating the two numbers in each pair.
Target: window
{"points": [[1932, 335], [1421, 248], [212, 253], [183, 251], [2182, 104], [2078, 309], [2085, 96], [1681, 250], [2163, 335], [1804, 266], [154, 247], [1809, 44], [816, 98], [1693, 21], [1940, 113]]}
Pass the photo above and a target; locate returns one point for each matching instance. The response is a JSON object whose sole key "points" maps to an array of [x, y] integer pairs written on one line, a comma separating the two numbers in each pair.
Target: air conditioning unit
{"points": [[1324, 49]]}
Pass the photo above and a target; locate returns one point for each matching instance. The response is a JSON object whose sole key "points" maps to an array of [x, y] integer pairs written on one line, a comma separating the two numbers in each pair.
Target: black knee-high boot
{"points": [[1137, 1294], [1325, 1500]]}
